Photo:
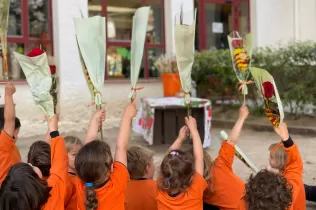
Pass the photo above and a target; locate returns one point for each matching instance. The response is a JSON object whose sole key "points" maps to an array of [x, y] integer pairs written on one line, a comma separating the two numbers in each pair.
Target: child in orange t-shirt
{"points": [[225, 188], [181, 183], [24, 187], [9, 126], [73, 145], [141, 189], [292, 171], [101, 184]]}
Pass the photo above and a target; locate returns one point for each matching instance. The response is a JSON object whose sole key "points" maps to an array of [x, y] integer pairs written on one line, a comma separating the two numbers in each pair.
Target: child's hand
{"points": [[243, 112], [282, 131], [130, 111], [9, 89], [184, 133], [99, 116], [52, 123], [191, 123]]}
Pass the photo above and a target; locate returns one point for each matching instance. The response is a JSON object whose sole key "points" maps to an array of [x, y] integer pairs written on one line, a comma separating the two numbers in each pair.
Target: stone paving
{"points": [[254, 145]]}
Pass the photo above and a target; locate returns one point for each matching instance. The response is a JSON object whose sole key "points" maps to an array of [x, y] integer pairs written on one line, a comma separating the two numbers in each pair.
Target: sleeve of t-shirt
{"points": [[226, 155], [294, 166], [198, 185], [59, 162], [6, 142], [120, 175]]}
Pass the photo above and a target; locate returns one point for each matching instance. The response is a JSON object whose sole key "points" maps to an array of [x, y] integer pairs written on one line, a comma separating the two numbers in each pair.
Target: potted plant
{"points": [[169, 73]]}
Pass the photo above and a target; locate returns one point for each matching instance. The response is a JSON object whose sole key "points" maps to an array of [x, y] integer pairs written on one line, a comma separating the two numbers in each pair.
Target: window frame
{"points": [[127, 43], [25, 38], [202, 18]]}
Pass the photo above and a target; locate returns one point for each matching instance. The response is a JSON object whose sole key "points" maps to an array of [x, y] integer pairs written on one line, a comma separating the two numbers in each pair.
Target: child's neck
{"points": [[70, 170]]}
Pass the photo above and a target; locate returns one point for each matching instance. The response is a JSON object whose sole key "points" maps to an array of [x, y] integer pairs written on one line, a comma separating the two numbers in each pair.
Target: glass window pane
{"points": [[15, 71], [155, 24], [95, 8], [118, 62], [153, 55], [38, 18], [15, 26], [120, 18], [218, 24], [243, 18]]}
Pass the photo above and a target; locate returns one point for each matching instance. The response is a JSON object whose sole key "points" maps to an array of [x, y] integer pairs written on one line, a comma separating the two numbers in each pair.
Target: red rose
{"points": [[52, 70], [35, 52], [268, 89], [237, 43]]}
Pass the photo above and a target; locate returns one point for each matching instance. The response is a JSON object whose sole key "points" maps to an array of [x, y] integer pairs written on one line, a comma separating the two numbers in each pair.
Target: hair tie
{"points": [[174, 153], [167, 180], [89, 184]]}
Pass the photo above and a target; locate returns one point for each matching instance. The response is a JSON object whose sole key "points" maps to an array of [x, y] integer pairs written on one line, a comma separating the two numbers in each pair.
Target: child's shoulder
{"points": [[147, 185], [71, 178]]}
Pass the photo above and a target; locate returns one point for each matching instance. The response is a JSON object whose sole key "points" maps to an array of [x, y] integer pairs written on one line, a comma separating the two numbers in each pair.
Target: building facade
{"points": [[49, 24]]}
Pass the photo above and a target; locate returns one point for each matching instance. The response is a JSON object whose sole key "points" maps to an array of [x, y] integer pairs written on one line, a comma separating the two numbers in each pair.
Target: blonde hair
{"points": [[279, 155], [72, 141], [138, 158]]}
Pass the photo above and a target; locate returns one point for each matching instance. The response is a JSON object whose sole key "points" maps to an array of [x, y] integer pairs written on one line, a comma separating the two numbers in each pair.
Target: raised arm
{"points": [[294, 167], [9, 109], [123, 137], [47, 136], [59, 165], [95, 124], [183, 134], [197, 145], [235, 133]]}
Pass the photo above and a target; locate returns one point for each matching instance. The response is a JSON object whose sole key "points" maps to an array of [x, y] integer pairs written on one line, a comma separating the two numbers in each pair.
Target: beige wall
{"points": [[276, 22]]}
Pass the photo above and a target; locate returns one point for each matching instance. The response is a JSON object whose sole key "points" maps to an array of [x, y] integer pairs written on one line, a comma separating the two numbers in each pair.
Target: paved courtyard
{"points": [[254, 145]]}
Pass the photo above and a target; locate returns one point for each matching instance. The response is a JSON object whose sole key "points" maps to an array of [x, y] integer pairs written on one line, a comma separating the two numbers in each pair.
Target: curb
{"points": [[228, 124]]}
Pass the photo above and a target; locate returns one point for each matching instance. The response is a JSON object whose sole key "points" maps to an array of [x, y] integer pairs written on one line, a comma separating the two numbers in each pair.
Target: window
{"points": [[119, 15], [30, 25], [217, 18]]}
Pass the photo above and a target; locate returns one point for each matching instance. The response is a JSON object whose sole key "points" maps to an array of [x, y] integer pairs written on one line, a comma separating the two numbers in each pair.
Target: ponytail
{"points": [[91, 198]]}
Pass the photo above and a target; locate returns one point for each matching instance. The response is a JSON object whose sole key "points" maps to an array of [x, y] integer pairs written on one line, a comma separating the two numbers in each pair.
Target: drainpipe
{"points": [[296, 20]]}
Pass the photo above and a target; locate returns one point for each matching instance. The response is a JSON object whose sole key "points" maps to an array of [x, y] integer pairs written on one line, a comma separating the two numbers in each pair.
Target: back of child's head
{"points": [[176, 171], [93, 166], [267, 190], [279, 156], [17, 123], [140, 162], [23, 189], [39, 155], [71, 142]]}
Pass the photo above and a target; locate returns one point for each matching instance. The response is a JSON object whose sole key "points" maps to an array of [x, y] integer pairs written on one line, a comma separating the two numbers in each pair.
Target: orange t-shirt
{"points": [[58, 174], [71, 196], [228, 188], [294, 175], [141, 195], [242, 205], [9, 154], [112, 195], [191, 199]]}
